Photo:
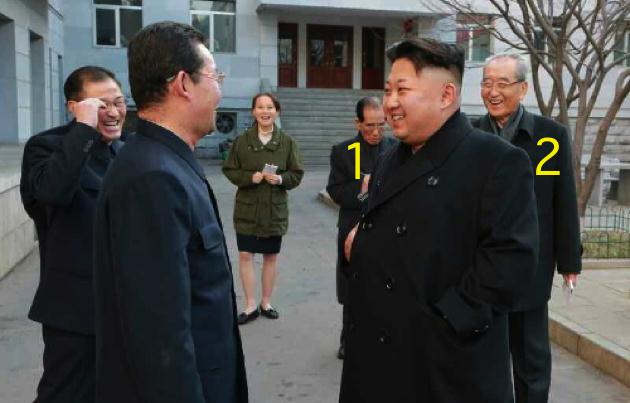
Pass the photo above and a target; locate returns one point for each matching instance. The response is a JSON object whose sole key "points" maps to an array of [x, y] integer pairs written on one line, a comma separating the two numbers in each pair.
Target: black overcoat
{"points": [[444, 249], [343, 188], [558, 220], [62, 172], [165, 309]]}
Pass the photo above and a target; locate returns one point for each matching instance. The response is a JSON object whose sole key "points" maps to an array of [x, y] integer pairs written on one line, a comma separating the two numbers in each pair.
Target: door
{"points": [[287, 54], [373, 59], [329, 56]]}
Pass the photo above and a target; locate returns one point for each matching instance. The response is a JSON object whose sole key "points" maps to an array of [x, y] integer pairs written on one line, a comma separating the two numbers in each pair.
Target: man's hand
{"points": [[365, 183], [572, 277], [347, 245], [272, 179], [257, 177], [86, 111]]}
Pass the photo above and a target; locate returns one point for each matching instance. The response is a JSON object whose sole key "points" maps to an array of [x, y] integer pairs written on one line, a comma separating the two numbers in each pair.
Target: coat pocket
{"points": [[245, 211], [211, 236], [279, 206]]}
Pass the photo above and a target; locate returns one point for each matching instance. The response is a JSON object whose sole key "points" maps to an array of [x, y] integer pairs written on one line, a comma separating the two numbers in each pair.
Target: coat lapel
{"points": [[434, 153]]}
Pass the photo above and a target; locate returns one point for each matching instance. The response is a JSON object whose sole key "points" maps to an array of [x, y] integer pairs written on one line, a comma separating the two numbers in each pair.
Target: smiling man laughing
{"points": [[445, 245], [62, 171]]}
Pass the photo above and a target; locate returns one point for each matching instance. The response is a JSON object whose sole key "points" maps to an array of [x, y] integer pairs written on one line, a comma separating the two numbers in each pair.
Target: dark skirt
{"points": [[254, 244]]}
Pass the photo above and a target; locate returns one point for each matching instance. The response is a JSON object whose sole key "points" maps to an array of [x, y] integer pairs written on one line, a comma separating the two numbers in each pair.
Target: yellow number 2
{"points": [[554, 151], [357, 159]]}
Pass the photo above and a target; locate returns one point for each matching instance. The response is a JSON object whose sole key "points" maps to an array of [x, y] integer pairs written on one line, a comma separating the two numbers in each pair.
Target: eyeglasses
{"points": [[372, 126], [116, 104], [219, 76], [501, 85]]}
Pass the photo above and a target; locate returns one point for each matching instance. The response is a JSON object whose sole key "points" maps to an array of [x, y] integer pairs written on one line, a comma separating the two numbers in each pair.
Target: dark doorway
{"points": [[373, 58], [287, 55], [329, 57]]}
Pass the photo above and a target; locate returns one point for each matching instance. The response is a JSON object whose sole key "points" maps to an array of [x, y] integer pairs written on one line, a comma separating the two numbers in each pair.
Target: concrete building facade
{"points": [[31, 38]]}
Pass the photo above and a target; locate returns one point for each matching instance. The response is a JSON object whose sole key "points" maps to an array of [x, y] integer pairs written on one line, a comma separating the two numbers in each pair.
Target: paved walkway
{"points": [[288, 360]]}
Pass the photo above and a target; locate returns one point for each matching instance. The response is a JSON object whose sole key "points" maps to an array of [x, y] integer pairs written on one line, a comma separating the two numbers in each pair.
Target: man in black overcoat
{"points": [[503, 88], [444, 249], [348, 191], [165, 307], [62, 172]]}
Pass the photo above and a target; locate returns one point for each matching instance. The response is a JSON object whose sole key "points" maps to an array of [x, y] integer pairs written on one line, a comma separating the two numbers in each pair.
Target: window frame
{"points": [[624, 49], [211, 14], [471, 27], [116, 9]]}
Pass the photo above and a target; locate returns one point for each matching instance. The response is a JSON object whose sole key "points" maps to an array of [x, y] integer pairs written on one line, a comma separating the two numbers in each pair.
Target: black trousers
{"points": [[69, 368], [531, 355]]}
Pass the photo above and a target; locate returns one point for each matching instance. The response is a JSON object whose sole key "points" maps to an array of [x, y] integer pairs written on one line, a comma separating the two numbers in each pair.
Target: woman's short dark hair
{"points": [[73, 87], [366, 102], [427, 52], [158, 52], [273, 98]]}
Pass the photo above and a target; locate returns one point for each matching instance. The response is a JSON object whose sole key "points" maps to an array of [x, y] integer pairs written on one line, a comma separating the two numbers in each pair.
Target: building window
{"points": [[217, 20], [622, 47], [473, 34], [116, 22], [541, 42]]}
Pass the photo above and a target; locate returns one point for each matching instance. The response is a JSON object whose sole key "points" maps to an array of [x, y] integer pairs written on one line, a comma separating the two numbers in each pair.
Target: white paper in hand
{"points": [[270, 169], [567, 290]]}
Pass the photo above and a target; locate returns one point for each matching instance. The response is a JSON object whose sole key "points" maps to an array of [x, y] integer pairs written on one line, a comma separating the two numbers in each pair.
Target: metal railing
{"points": [[606, 233]]}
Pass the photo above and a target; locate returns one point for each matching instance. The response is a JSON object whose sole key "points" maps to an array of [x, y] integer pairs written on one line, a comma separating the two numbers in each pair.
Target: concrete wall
{"points": [[30, 35], [17, 231]]}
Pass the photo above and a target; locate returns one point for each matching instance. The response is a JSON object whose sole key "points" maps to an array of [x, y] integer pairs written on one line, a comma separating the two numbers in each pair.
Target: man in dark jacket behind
{"points": [[165, 306], [62, 171], [443, 250], [348, 191], [503, 88]]}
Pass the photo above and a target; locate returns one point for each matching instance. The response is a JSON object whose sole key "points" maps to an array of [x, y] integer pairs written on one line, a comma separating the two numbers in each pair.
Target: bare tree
{"points": [[579, 40]]}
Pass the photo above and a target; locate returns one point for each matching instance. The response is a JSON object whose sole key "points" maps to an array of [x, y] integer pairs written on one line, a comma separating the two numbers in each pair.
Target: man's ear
{"points": [[70, 106], [449, 94], [180, 83], [357, 123], [524, 88]]}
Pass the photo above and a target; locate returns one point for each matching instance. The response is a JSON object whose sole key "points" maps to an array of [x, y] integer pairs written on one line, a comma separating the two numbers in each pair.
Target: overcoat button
{"points": [[369, 225], [433, 181], [351, 327], [384, 338], [390, 284], [401, 229], [355, 275]]}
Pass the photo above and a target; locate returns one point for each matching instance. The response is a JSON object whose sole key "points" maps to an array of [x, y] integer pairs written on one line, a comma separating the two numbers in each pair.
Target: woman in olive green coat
{"points": [[261, 213]]}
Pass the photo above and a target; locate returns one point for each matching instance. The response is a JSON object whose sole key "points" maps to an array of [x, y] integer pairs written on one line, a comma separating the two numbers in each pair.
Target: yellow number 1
{"points": [[357, 159], [554, 151]]}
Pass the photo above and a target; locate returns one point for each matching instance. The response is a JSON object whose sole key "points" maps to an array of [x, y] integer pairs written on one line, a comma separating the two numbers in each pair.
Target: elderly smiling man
{"points": [[503, 88]]}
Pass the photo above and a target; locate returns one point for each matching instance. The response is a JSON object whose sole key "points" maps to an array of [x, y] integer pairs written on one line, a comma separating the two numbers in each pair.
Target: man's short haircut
{"points": [[367, 102], [73, 87], [158, 52], [427, 52], [522, 67]]}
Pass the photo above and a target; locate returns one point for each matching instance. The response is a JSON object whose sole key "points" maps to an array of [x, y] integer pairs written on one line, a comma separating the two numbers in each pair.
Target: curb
{"points": [[599, 264], [590, 347]]}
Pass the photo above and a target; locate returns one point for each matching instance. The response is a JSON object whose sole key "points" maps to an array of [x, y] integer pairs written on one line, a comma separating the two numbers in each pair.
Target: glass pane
{"points": [[201, 22], [285, 51], [463, 36], [137, 3], [372, 51], [105, 27], [341, 53], [481, 45], [539, 40], [130, 24], [317, 52], [227, 6], [224, 33]]}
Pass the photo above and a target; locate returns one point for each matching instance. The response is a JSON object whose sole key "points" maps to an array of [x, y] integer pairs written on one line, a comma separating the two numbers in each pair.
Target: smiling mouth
{"points": [[112, 125]]}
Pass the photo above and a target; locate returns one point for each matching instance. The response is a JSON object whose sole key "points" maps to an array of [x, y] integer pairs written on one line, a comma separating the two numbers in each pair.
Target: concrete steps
{"points": [[319, 118]]}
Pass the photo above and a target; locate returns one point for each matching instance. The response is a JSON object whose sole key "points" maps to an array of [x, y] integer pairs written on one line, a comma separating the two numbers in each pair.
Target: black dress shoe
{"points": [[245, 317], [341, 353], [269, 313]]}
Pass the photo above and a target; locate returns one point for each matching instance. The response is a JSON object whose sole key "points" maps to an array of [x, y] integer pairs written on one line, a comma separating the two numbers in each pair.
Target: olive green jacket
{"points": [[262, 209]]}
